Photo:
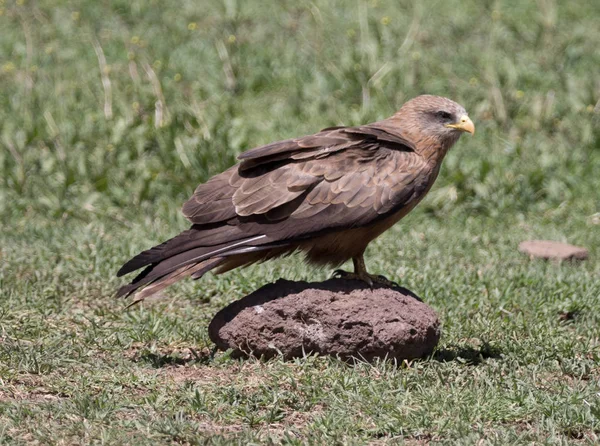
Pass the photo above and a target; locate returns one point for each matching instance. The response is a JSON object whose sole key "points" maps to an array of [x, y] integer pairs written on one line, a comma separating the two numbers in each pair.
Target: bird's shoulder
{"points": [[325, 143]]}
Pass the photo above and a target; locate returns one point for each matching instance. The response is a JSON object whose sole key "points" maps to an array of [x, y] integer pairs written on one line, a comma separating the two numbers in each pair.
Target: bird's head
{"points": [[434, 118]]}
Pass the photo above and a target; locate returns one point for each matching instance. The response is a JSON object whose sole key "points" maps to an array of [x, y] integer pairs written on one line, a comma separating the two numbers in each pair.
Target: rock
{"points": [[550, 250], [343, 318]]}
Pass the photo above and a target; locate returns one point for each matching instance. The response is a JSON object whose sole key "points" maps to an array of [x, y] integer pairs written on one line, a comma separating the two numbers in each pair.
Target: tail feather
{"points": [[177, 258], [180, 243], [195, 270], [142, 259], [207, 239]]}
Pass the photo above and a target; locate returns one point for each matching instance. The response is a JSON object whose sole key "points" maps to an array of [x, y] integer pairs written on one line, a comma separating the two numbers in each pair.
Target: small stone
{"points": [[550, 250], [338, 317]]}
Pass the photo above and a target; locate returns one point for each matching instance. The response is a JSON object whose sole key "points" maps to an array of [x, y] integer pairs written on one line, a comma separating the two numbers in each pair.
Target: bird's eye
{"points": [[444, 115]]}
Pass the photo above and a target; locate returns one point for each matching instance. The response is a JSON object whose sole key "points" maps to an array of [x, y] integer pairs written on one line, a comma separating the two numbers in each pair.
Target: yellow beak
{"points": [[464, 125]]}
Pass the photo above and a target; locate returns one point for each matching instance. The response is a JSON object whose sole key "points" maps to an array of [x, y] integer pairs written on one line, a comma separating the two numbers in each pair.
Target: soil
{"points": [[550, 250], [343, 318]]}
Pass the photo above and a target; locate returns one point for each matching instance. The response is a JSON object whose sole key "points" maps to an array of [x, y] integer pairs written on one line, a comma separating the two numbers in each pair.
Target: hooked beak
{"points": [[464, 125]]}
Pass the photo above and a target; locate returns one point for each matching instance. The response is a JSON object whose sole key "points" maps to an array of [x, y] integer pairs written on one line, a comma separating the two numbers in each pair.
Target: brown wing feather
{"points": [[354, 199], [282, 149], [369, 172]]}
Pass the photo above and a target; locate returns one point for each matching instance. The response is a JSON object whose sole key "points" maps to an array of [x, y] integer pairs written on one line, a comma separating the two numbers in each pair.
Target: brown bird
{"points": [[328, 195]]}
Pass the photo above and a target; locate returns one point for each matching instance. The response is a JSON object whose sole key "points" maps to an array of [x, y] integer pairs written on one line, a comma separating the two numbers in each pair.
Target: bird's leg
{"points": [[360, 273]]}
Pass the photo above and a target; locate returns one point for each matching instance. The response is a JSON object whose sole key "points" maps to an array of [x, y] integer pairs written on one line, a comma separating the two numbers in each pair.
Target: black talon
{"points": [[388, 282]]}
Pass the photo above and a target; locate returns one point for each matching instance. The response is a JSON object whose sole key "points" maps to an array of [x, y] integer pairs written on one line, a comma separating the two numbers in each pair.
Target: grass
{"points": [[112, 112]]}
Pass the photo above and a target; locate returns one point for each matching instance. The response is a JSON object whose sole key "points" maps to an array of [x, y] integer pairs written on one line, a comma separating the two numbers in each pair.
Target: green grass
{"points": [[112, 112]]}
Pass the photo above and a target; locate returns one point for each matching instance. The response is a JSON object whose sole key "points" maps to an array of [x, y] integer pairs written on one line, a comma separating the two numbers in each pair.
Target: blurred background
{"points": [[113, 108]]}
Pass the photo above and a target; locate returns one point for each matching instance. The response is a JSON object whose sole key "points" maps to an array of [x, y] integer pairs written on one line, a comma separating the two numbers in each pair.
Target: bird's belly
{"points": [[336, 247]]}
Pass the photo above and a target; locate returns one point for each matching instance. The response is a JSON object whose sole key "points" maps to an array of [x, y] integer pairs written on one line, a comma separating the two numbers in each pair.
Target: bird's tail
{"points": [[177, 258], [195, 270]]}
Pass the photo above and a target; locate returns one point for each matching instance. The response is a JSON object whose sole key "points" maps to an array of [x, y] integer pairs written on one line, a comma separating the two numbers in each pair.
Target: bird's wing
{"points": [[353, 189], [271, 179]]}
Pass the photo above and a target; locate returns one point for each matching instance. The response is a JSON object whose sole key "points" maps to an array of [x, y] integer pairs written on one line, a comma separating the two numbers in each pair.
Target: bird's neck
{"points": [[436, 151], [430, 147]]}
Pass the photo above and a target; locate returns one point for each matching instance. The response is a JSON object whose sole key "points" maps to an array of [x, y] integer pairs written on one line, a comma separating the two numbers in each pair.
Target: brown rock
{"points": [[337, 317], [547, 249]]}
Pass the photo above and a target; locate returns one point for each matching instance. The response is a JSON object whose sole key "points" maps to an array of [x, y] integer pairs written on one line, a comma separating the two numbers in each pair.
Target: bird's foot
{"points": [[369, 279]]}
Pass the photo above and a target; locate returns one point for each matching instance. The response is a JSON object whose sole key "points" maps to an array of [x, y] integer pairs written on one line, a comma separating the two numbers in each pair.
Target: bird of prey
{"points": [[327, 195]]}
